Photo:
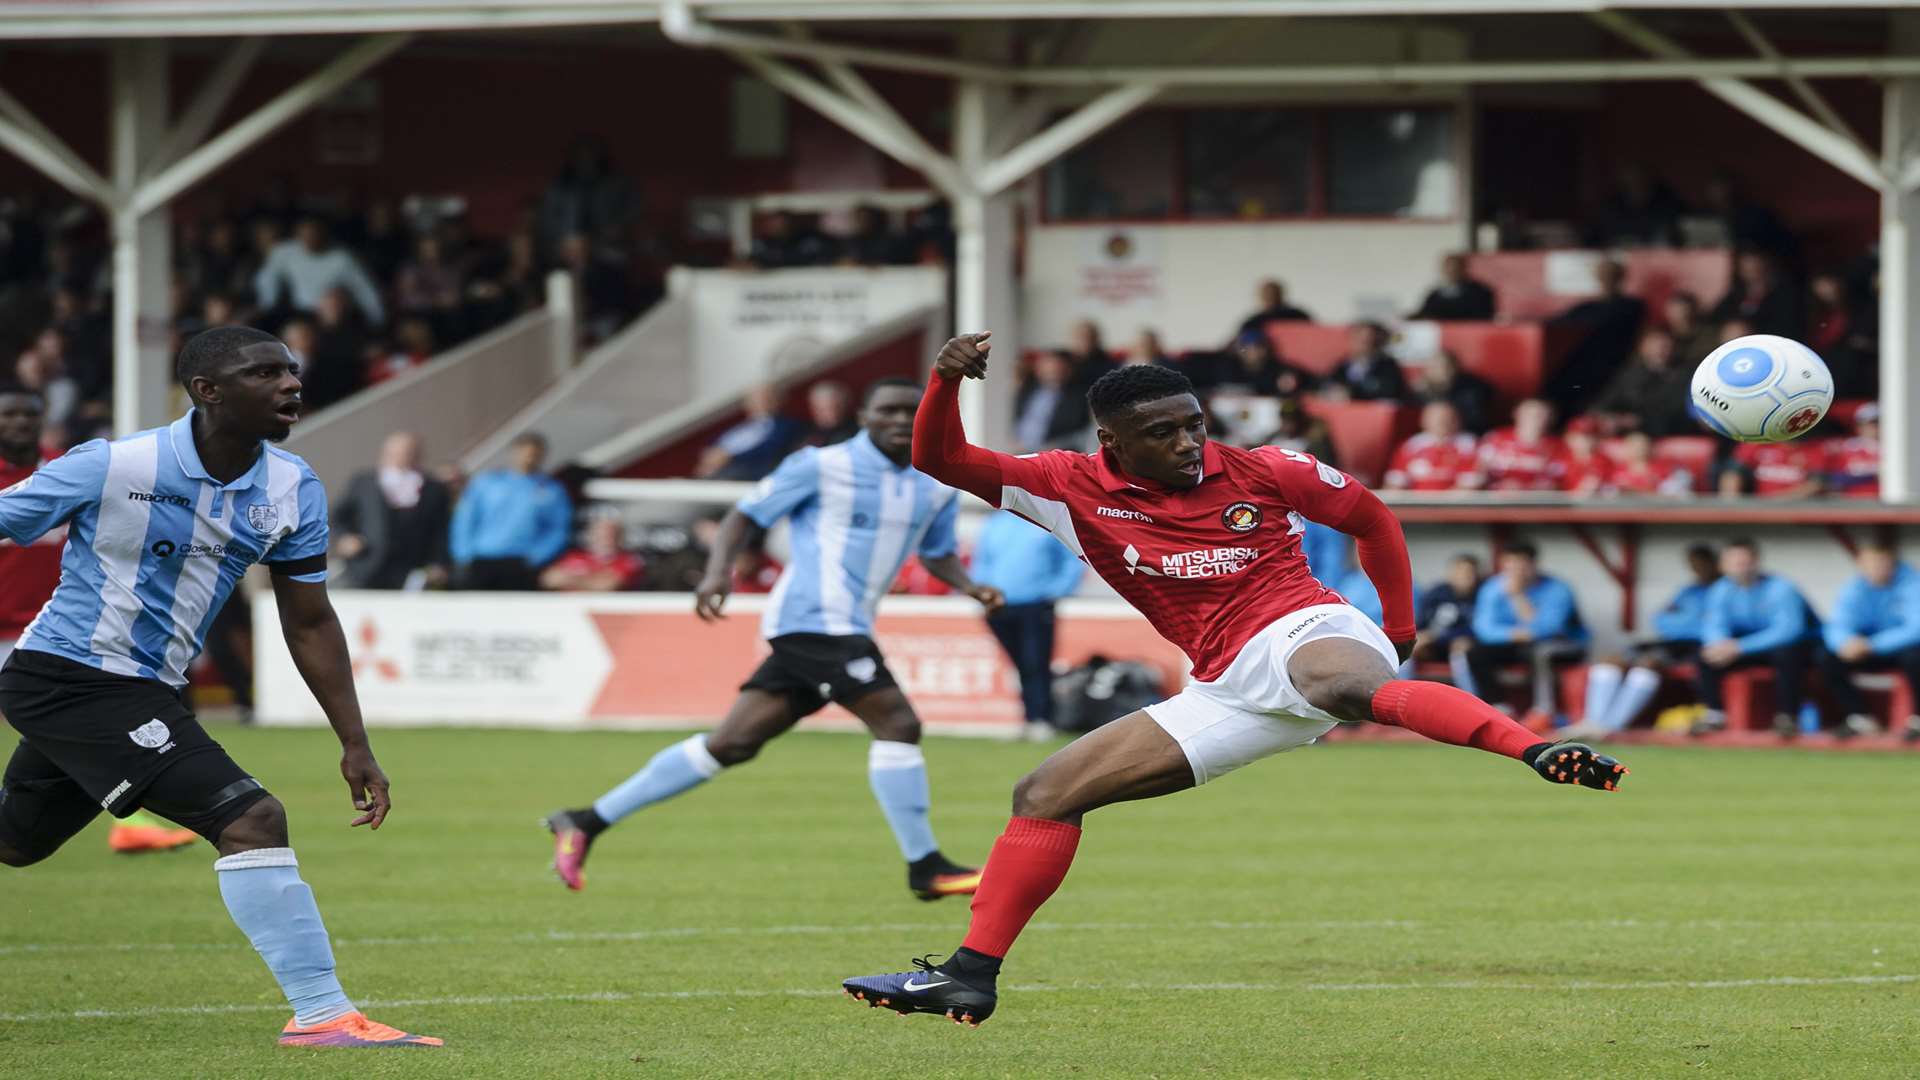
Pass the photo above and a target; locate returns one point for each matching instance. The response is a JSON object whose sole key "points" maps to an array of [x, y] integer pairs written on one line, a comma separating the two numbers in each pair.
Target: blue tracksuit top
{"points": [[1758, 617], [1682, 618], [1554, 612], [1889, 618]]}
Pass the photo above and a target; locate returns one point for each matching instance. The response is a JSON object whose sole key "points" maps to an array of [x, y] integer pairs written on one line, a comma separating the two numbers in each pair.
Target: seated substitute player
{"points": [[1204, 540], [1619, 687], [1444, 613], [1524, 616], [1753, 619], [161, 525], [858, 509], [1875, 627]]}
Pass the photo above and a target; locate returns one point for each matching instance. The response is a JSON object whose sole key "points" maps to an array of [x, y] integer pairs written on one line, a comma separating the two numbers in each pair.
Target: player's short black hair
{"points": [[1881, 544], [208, 349], [1747, 542], [877, 385], [1521, 547], [1701, 551], [1124, 387]]}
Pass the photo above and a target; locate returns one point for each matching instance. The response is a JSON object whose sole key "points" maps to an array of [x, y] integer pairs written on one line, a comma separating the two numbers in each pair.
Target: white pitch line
{"points": [[567, 937], [1149, 988]]}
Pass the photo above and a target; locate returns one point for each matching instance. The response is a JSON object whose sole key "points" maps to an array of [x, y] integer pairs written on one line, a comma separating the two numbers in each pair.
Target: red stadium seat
{"points": [[1516, 359], [1843, 409], [1748, 697], [1695, 452], [1364, 433]]}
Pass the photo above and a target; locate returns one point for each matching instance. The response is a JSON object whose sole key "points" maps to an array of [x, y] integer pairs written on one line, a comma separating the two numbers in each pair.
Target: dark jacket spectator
{"points": [[1650, 394], [1457, 297], [1470, 395], [1694, 336], [1086, 355], [871, 243], [1612, 324], [784, 240], [589, 198], [1843, 330], [394, 522], [751, 448], [605, 298], [1641, 212], [1250, 367], [1273, 308], [1368, 373], [1051, 408], [1762, 297]]}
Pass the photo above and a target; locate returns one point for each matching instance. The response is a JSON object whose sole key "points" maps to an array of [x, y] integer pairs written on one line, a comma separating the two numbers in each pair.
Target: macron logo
{"points": [[150, 497], [1124, 515]]}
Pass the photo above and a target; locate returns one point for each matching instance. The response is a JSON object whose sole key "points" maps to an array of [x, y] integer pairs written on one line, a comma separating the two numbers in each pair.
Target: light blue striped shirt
{"points": [[155, 545], [856, 516]]}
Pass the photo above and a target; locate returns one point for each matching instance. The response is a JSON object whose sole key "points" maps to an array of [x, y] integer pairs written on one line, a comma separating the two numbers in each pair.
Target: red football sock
{"points": [[1027, 864], [1450, 715]]}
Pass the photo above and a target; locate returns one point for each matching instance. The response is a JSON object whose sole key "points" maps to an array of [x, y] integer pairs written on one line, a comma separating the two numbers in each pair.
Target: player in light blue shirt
{"points": [[857, 509], [1875, 627], [1521, 615], [161, 524], [1754, 619]]}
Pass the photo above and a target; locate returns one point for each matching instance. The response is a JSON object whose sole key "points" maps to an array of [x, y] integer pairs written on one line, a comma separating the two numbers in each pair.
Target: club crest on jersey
{"points": [[1241, 517], [263, 517]]}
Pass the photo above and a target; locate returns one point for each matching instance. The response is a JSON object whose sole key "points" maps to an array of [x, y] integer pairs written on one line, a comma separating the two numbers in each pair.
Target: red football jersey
{"points": [[1655, 478], [1588, 474], [1778, 467], [1855, 467], [27, 574], [1427, 463], [625, 565], [1209, 566], [1512, 465]]}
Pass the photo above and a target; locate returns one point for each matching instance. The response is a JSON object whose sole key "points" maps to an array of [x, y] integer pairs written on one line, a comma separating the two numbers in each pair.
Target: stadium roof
{"points": [[219, 18]]}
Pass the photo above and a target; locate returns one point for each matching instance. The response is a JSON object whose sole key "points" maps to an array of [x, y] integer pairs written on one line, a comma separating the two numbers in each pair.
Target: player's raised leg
{"points": [[756, 717], [897, 771], [41, 808], [1131, 758]]}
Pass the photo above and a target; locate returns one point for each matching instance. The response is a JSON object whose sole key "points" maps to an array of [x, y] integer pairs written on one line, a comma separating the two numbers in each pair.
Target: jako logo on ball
{"points": [[1762, 389]]}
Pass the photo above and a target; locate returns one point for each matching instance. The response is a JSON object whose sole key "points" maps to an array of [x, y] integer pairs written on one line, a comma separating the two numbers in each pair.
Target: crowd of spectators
{"points": [[863, 236]]}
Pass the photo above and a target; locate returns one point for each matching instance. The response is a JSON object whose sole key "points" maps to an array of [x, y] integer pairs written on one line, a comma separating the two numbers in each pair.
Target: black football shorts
{"points": [[813, 669]]}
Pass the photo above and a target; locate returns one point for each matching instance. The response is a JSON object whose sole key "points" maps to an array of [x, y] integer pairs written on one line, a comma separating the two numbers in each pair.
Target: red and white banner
{"points": [[639, 660]]}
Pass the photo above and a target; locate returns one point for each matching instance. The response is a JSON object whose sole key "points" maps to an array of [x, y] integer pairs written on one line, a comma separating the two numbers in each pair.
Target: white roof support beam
{"points": [[196, 123], [247, 132], [678, 21], [1815, 101], [1091, 119], [1836, 149], [26, 137]]}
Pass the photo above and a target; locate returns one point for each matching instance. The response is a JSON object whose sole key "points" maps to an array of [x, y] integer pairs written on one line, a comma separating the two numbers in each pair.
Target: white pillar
{"points": [[564, 332], [142, 243], [1899, 300], [986, 290]]}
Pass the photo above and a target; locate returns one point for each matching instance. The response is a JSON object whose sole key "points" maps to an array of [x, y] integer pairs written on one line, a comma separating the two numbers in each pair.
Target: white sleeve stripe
{"points": [[1050, 514]]}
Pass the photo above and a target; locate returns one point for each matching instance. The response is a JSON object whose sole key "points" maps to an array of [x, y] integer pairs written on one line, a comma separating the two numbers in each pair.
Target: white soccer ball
{"points": [[1761, 389]]}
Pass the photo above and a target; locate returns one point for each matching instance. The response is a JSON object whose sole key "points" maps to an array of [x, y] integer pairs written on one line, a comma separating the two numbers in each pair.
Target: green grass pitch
{"points": [[1356, 910]]}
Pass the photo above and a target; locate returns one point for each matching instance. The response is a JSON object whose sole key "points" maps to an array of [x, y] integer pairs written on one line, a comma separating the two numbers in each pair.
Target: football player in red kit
{"points": [[1204, 540]]}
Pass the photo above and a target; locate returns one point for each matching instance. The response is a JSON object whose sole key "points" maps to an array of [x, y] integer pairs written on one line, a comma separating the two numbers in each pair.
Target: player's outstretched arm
{"points": [[737, 531], [319, 649], [949, 570], [940, 447]]}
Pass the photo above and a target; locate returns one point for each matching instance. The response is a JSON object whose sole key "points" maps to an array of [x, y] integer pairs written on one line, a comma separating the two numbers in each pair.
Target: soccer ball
{"points": [[1761, 389]]}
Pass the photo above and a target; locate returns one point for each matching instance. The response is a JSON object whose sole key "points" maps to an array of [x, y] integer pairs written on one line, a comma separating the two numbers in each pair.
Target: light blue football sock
{"points": [[275, 909], [1463, 674], [678, 768], [898, 772]]}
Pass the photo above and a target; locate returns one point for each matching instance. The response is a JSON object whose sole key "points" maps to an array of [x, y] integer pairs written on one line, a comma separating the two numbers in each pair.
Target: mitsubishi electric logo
{"points": [[1204, 563]]}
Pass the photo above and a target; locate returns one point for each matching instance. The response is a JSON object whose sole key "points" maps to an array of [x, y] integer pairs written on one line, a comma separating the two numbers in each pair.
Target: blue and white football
{"points": [[1761, 389]]}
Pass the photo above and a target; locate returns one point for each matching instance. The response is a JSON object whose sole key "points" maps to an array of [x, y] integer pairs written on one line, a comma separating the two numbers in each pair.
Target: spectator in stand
{"points": [[1875, 627], [1589, 470], [1443, 379], [1147, 349], [599, 564], [27, 573], [1762, 297], [1619, 688], [301, 270], [413, 346], [589, 198], [42, 369], [216, 264], [431, 288], [1693, 335], [1300, 432], [1034, 571], [511, 522], [1368, 373], [1250, 367], [1843, 331], [1754, 619], [1273, 308], [1443, 615], [1611, 322], [1650, 394], [1050, 409], [1749, 225], [601, 287], [783, 241], [382, 240], [510, 284], [392, 529], [1790, 470], [336, 366], [751, 448], [1854, 464], [1526, 456], [1639, 472], [870, 243], [1438, 457], [1641, 212], [830, 416], [1523, 616], [1086, 355], [1458, 297]]}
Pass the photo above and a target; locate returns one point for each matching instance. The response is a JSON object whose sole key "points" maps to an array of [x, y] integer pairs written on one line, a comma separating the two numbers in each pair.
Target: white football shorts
{"points": [[1252, 710]]}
